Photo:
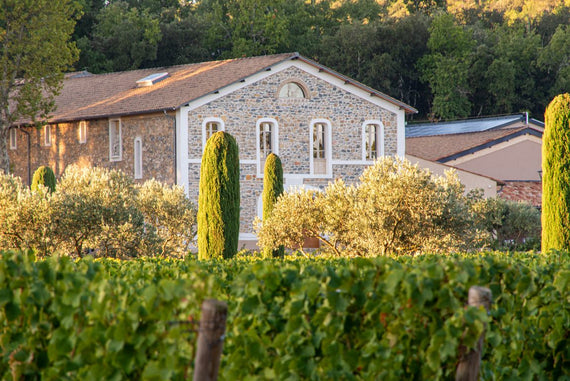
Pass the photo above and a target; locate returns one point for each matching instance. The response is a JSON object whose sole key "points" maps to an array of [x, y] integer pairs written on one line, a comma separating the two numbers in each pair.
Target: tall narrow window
{"points": [[267, 141], [320, 147], [47, 135], [115, 140], [209, 127], [212, 128], [82, 132], [372, 140], [13, 138], [138, 158], [319, 131]]}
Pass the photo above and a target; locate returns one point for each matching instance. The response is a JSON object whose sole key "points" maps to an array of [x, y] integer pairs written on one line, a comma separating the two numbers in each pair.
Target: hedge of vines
{"points": [[314, 319]]}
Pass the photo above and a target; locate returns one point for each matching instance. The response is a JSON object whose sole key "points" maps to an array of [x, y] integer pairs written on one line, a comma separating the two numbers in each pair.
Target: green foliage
{"points": [[556, 175], [510, 225], [272, 189], [396, 208], [36, 51], [95, 209], [123, 38], [26, 217], [172, 215], [98, 212], [219, 198], [44, 176], [94, 320], [445, 68], [318, 319], [555, 57]]}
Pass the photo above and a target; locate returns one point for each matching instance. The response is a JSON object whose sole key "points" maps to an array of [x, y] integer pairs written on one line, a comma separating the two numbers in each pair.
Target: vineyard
{"points": [[293, 318]]}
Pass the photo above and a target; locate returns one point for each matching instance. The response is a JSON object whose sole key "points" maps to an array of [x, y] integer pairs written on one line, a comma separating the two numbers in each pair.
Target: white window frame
{"points": [[379, 139], [274, 142], [328, 147], [138, 157], [118, 157], [204, 129], [82, 132], [13, 139], [47, 135]]}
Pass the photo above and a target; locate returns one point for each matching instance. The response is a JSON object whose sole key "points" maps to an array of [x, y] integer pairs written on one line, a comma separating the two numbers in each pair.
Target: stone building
{"points": [[154, 123]]}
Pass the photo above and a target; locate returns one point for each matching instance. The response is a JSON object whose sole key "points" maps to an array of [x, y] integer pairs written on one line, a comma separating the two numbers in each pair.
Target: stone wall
{"points": [[156, 132], [241, 109]]}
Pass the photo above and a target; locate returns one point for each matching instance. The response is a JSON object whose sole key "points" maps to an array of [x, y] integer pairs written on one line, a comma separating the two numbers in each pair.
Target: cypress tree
{"points": [[272, 189], [556, 175], [219, 198], [45, 176]]}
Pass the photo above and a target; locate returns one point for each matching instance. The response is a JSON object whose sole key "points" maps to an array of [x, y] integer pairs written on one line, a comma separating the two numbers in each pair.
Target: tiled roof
{"points": [[113, 94], [467, 125], [90, 96], [528, 191], [441, 146]]}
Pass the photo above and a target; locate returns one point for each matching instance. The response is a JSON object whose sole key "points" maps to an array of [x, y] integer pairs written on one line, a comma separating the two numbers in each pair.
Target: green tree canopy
{"points": [[35, 50]]}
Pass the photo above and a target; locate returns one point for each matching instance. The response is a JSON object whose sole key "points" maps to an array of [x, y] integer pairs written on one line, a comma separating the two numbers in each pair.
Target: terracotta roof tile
{"points": [[113, 94], [529, 191]]}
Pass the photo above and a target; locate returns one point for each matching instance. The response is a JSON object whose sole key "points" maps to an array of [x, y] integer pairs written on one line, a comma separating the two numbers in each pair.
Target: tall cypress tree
{"points": [[219, 198], [45, 176], [272, 189], [556, 175]]}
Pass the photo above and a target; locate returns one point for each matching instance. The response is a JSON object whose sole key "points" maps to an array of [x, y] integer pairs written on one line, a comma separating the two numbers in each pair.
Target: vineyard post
{"points": [[469, 363], [210, 340]]}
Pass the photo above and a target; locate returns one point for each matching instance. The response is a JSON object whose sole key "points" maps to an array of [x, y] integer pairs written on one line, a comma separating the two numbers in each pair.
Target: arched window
{"points": [[320, 146], [372, 140], [292, 90], [209, 127], [267, 141]]}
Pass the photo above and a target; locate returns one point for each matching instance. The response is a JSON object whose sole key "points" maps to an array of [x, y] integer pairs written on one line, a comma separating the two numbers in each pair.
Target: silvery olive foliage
{"points": [[99, 212], [396, 208]]}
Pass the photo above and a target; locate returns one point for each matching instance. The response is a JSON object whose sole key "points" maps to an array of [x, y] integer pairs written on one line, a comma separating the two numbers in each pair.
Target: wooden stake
{"points": [[470, 363], [210, 340]]}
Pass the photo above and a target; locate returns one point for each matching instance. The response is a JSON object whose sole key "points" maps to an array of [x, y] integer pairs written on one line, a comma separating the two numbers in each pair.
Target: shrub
{"points": [[95, 211], [25, 217], [556, 175], [272, 189], [219, 198], [44, 176], [99, 212], [171, 214], [397, 208], [510, 225]]}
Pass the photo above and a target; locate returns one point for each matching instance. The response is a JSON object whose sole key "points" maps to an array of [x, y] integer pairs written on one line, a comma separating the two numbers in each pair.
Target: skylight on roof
{"points": [[150, 80]]}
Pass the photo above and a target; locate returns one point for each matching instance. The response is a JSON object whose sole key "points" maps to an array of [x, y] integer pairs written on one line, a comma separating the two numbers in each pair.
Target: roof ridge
{"points": [[292, 54]]}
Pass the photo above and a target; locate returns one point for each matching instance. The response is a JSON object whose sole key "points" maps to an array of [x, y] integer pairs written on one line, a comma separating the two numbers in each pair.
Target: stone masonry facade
{"points": [[156, 132], [243, 108]]}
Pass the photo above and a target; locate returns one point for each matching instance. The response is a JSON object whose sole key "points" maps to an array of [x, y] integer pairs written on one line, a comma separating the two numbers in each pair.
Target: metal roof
{"points": [[465, 126]]}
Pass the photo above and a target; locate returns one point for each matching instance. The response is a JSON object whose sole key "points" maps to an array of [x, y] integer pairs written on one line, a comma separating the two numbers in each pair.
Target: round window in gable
{"points": [[291, 90]]}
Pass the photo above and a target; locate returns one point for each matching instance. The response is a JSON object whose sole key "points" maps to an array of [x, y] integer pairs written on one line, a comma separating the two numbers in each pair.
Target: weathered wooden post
{"points": [[210, 340], [470, 363]]}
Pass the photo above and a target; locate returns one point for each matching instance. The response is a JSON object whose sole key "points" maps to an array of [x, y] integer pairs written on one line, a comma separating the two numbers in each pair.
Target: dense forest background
{"points": [[448, 58]]}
